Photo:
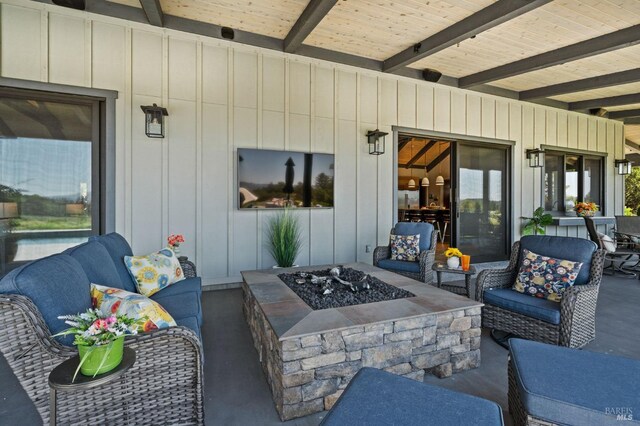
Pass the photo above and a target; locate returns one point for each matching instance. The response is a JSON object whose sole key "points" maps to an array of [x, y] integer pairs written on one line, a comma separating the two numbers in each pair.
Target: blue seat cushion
{"points": [[191, 323], [118, 248], [188, 285], [565, 248], [57, 285], [535, 307], [573, 386], [181, 306], [414, 228], [96, 263], [399, 265], [375, 397]]}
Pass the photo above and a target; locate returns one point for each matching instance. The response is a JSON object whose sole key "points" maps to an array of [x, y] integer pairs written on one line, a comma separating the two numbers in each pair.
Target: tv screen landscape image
{"points": [[278, 179]]}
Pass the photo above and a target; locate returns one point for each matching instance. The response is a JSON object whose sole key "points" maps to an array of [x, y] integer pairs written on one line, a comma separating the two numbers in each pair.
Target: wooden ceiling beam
{"points": [[154, 13], [420, 153], [595, 46], [444, 154], [608, 80], [633, 98], [489, 17], [311, 16], [615, 115]]}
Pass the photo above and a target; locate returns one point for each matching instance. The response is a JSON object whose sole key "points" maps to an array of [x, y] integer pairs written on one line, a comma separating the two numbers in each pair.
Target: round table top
{"points": [[442, 267], [61, 377]]}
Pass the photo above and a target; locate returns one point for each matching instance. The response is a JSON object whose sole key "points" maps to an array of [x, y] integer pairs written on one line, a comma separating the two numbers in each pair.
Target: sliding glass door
{"points": [[482, 209]]}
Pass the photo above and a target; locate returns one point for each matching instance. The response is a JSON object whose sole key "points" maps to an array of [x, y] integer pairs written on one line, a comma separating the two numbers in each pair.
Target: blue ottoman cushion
{"points": [[375, 397], [399, 265], [96, 263], [566, 248], [57, 285], [506, 298], [571, 386], [118, 248], [414, 228]]}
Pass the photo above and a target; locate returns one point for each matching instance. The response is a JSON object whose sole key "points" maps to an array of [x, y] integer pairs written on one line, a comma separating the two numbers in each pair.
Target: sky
{"points": [[266, 166], [45, 167]]}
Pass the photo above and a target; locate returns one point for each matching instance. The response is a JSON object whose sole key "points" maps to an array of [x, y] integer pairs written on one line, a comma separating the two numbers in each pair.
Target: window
{"points": [[569, 178], [49, 174]]}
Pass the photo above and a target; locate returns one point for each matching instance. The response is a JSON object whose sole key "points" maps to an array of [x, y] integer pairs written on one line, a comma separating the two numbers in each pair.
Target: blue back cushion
{"points": [[97, 263], [565, 248], [118, 248], [57, 285], [414, 228]]}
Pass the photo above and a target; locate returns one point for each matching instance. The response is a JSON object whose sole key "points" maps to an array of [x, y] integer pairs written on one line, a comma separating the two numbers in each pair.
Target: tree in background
{"points": [[632, 191]]}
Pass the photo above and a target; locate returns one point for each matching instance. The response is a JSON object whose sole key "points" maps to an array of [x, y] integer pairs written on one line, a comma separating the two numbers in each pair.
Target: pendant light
{"points": [[412, 183], [425, 179], [439, 179]]}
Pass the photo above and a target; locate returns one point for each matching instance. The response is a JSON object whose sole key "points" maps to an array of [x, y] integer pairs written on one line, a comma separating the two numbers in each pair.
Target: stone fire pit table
{"points": [[309, 356]]}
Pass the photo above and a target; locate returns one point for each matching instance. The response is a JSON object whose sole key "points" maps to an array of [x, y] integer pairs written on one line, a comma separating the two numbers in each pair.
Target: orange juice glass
{"points": [[466, 261]]}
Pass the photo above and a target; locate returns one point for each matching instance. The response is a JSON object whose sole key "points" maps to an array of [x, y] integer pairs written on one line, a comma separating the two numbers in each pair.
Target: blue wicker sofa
{"points": [[165, 384]]}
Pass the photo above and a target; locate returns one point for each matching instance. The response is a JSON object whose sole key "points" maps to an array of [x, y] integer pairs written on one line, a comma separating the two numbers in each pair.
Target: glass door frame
{"points": [[455, 138], [507, 191]]}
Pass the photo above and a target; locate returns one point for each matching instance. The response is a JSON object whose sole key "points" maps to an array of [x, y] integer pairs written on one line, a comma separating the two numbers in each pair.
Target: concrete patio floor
{"points": [[236, 392]]}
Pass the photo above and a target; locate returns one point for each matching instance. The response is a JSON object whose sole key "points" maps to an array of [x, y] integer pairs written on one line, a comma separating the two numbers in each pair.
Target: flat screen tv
{"points": [[277, 179]]}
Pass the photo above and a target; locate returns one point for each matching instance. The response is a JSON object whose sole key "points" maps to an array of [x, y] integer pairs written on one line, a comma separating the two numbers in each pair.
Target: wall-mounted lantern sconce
{"points": [[623, 166], [376, 141], [154, 120], [535, 157]]}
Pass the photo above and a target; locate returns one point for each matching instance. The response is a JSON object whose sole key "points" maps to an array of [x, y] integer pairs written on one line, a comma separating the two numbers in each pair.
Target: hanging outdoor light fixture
{"points": [[375, 138], [154, 120], [623, 166], [535, 157]]}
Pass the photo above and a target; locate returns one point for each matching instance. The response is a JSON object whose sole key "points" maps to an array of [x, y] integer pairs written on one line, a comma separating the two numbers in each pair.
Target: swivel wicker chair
{"points": [[568, 323]]}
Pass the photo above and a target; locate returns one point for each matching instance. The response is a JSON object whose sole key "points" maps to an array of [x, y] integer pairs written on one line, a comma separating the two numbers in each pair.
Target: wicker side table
{"points": [[61, 378], [439, 268]]}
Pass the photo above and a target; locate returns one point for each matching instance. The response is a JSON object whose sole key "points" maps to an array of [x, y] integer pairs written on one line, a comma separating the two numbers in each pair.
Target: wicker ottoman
{"points": [[551, 384], [375, 397]]}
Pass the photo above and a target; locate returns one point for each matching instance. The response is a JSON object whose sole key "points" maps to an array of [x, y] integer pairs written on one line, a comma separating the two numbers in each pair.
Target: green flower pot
{"points": [[95, 355]]}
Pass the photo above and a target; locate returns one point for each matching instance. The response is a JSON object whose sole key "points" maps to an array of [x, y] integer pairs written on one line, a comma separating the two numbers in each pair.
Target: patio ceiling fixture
{"points": [[623, 166], [154, 120], [535, 157], [375, 138], [425, 179]]}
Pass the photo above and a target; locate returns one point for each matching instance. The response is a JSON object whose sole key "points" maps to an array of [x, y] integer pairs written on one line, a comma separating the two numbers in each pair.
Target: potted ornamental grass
{"points": [[284, 238], [99, 338]]}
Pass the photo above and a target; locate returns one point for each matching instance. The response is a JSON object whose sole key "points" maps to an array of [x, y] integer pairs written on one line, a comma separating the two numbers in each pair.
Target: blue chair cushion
{"points": [[57, 285], [585, 387], [188, 285], [414, 228], [96, 263], [375, 397], [191, 323], [566, 248], [118, 248], [181, 306], [534, 307], [399, 265]]}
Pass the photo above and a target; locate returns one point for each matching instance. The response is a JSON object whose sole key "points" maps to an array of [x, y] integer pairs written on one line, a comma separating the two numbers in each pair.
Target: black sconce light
{"points": [[376, 141], [623, 166], [154, 120], [535, 157]]}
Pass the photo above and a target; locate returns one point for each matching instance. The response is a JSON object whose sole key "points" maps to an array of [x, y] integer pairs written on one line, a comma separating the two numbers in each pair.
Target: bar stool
{"points": [[432, 218], [447, 221]]}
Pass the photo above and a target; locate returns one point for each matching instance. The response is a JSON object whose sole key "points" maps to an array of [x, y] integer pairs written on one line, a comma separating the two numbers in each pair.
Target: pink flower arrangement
{"points": [[174, 240], [94, 328]]}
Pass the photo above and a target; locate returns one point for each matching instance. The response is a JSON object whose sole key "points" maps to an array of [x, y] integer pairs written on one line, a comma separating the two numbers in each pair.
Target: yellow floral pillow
{"points": [[154, 271], [116, 301]]}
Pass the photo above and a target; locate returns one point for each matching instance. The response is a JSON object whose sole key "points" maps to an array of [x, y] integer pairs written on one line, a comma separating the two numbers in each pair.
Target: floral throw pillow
{"points": [[116, 301], [405, 247], [545, 277], [154, 271]]}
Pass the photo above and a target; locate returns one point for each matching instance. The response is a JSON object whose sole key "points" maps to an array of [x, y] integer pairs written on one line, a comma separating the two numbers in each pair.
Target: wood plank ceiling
{"points": [[595, 41]]}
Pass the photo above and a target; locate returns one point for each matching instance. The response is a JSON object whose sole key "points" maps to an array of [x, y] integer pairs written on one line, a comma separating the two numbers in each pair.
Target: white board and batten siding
{"points": [[222, 96]]}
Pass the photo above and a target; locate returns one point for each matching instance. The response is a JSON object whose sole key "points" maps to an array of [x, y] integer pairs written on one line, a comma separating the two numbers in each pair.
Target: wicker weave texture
{"points": [[426, 259], [188, 267], [163, 387], [577, 308]]}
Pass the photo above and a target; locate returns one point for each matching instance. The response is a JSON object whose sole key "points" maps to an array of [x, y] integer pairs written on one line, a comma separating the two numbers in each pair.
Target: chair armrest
{"points": [[578, 314], [188, 267], [498, 278], [380, 253], [427, 258]]}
